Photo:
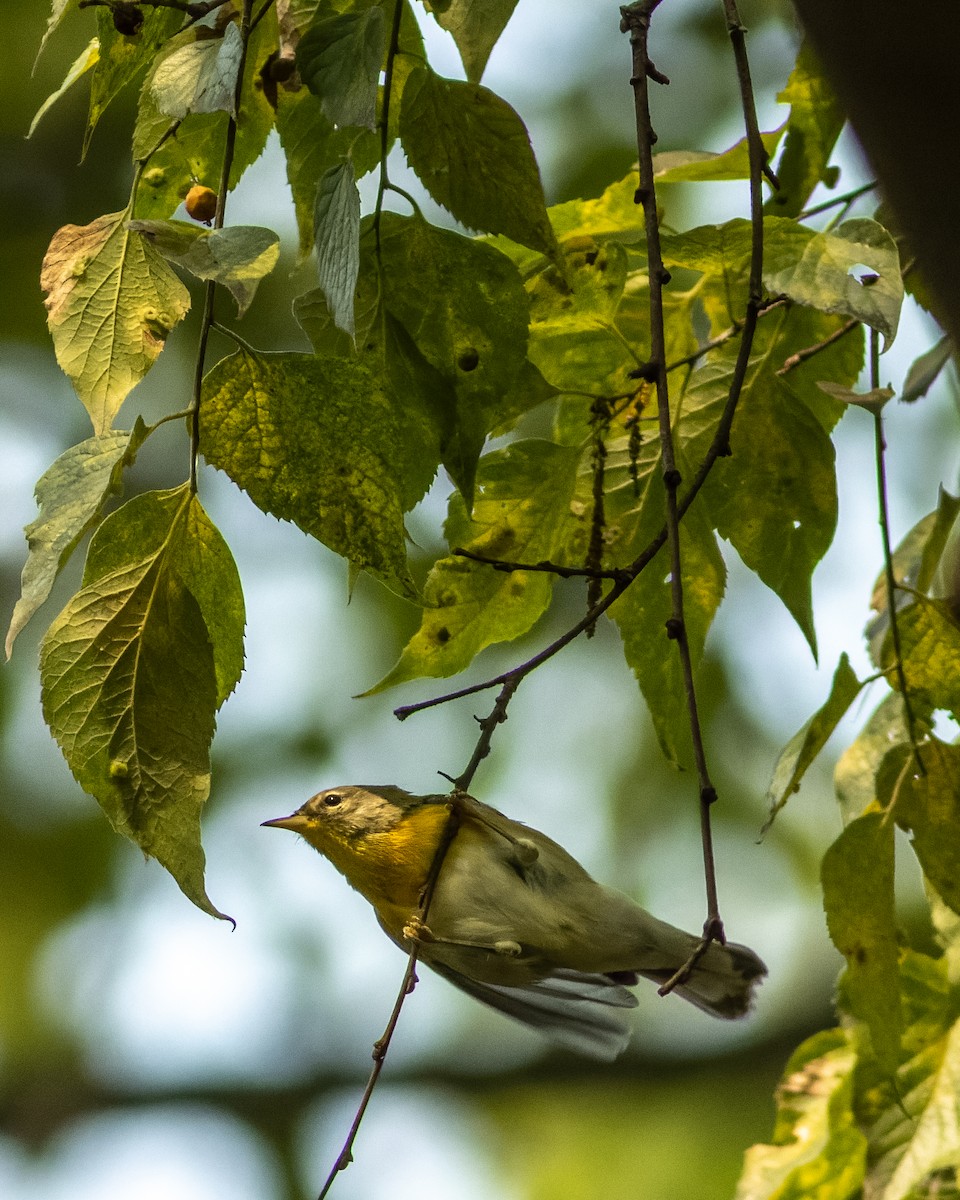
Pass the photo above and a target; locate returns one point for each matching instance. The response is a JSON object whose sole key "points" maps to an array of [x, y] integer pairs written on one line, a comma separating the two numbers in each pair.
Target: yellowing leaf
{"points": [[70, 495], [928, 806], [676, 166], [816, 119], [86, 59], [817, 1149], [857, 876], [122, 58], [130, 680], [111, 301]]}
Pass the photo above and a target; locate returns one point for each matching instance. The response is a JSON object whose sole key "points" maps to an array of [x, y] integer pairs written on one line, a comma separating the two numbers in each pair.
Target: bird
{"points": [[513, 919]]}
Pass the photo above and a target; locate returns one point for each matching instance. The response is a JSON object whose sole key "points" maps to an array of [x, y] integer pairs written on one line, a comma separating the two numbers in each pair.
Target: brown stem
{"points": [[408, 983], [209, 299]]}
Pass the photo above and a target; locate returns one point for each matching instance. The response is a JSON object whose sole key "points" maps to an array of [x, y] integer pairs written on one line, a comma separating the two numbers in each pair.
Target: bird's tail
{"points": [[721, 983]]}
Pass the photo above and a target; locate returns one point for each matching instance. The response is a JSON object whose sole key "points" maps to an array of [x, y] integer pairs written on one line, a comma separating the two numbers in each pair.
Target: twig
{"points": [[801, 356], [550, 568], [193, 8], [880, 448], [206, 321], [488, 725], [636, 20], [722, 338], [408, 983], [838, 201]]}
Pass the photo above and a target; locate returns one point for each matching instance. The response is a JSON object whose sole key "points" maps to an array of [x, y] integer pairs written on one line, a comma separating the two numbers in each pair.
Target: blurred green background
{"points": [[145, 1051]]}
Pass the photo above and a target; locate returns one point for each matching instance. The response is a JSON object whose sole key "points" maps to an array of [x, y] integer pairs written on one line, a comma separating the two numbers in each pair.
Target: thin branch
{"points": [[636, 20], [550, 568], [488, 726], [843, 201], [408, 983], [880, 456], [207, 320], [801, 356]]}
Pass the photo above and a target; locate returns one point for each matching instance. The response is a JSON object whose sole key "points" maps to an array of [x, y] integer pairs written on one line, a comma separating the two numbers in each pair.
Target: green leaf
{"points": [[782, 459], [200, 77], [130, 686], [862, 924], [111, 301], [312, 147], [463, 306], [677, 166], [237, 257], [520, 514], [122, 58], [873, 401], [913, 1131], [816, 119], [928, 806], [318, 442], [476, 26], [85, 60], [924, 370], [820, 269], [613, 215], [817, 1149], [472, 153], [339, 59], [337, 237], [70, 495], [642, 615], [930, 649], [855, 774], [721, 250], [805, 745]]}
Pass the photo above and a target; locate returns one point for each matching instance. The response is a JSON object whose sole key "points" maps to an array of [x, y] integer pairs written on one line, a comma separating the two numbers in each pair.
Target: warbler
{"points": [[513, 919]]}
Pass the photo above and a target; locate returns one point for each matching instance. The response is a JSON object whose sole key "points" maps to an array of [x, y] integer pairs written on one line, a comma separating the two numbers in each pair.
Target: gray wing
{"points": [[583, 1012]]}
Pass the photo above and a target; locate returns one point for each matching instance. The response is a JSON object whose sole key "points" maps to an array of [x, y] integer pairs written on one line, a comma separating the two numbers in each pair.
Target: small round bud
{"points": [[201, 203]]}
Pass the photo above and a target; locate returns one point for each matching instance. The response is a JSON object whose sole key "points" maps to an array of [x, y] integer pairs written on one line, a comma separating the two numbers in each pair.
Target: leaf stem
{"points": [[392, 50], [207, 319]]}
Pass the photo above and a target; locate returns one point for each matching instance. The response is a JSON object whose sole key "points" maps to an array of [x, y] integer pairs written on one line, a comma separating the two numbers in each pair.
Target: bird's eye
{"points": [[332, 799]]}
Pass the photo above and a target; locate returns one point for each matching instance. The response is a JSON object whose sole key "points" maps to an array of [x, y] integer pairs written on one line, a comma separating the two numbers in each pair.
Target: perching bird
{"points": [[514, 920]]}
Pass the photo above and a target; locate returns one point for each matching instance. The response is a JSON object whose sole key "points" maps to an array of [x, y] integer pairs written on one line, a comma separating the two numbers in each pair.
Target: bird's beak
{"points": [[296, 821]]}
